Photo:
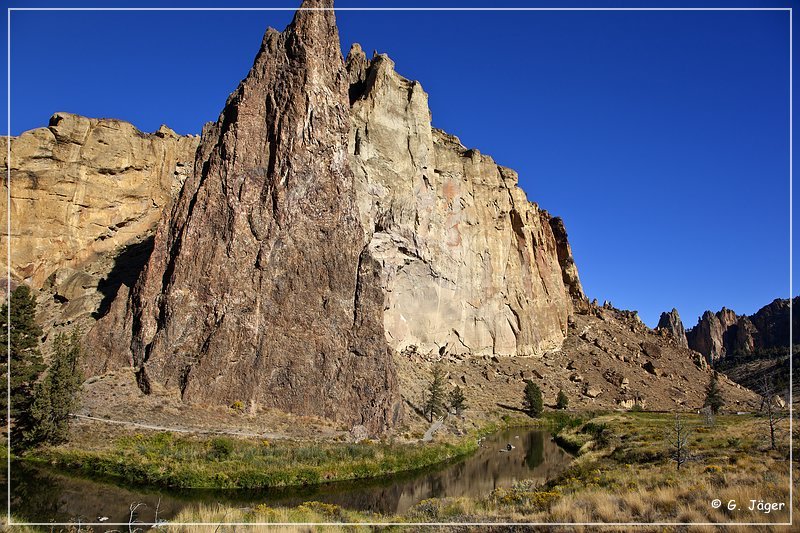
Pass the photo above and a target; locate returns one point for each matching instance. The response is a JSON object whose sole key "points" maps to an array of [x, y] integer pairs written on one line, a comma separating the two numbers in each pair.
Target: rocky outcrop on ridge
{"points": [[672, 325], [468, 264], [260, 288], [722, 334], [84, 187]]}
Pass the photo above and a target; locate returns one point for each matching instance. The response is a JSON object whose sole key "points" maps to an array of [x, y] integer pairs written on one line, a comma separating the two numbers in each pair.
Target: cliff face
{"points": [[323, 227], [84, 187], [260, 288], [468, 265], [725, 333]]}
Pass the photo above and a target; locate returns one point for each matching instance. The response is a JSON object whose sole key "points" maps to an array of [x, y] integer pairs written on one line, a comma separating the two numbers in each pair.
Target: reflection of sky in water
{"points": [[42, 496]]}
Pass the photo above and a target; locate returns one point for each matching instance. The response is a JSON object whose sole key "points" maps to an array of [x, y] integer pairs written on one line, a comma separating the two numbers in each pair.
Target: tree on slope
{"points": [[56, 396], [714, 394], [532, 399], [23, 361], [435, 401]]}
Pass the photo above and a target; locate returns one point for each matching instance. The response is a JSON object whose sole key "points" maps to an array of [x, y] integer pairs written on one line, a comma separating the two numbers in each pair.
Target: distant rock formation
{"points": [[671, 323], [83, 187], [725, 333]]}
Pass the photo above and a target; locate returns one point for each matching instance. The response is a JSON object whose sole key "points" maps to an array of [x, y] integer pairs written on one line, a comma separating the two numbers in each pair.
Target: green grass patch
{"points": [[167, 460]]}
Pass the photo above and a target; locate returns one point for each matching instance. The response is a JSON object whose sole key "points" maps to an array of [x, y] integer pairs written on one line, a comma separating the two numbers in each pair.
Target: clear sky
{"points": [[661, 138]]}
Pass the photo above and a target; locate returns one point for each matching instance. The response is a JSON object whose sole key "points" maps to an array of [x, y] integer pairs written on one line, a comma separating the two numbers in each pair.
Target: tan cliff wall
{"points": [[469, 265], [84, 187]]}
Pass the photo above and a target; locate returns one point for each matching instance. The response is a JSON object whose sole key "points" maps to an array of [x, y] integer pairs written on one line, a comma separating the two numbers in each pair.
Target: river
{"points": [[43, 495]]}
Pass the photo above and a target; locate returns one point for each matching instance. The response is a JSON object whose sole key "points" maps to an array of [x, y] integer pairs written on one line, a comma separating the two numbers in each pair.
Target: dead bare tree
{"points": [[131, 520], [678, 440], [771, 409]]}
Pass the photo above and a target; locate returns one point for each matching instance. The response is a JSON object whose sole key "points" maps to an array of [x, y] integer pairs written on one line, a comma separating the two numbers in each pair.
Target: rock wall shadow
{"points": [[128, 264]]}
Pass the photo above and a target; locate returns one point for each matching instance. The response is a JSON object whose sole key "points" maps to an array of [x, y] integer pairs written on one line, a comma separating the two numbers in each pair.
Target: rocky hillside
{"points": [[316, 252]]}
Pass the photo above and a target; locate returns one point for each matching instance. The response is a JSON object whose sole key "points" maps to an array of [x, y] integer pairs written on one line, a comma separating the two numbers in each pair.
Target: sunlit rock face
{"points": [[468, 264], [322, 227], [671, 323], [260, 287], [82, 187]]}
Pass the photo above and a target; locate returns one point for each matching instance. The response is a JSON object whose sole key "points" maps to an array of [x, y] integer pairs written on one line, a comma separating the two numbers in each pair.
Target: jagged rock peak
{"points": [[259, 289], [672, 324], [726, 333]]}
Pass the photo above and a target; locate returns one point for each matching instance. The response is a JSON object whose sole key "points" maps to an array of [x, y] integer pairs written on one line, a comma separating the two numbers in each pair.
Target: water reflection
{"points": [[42, 495]]}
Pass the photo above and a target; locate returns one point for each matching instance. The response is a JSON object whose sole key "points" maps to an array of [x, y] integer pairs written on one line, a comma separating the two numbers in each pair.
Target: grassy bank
{"points": [[170, 460], [623, 473]]}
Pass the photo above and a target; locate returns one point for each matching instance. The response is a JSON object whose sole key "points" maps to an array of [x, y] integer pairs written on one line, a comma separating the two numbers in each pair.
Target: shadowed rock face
{"points": [[260, 287], [725, 333]]}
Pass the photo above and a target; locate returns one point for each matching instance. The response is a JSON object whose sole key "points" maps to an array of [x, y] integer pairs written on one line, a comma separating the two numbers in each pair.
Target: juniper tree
{"points": [[714, 395], [56, 396], [532, 400], [24, 361], [457, 400], [561, 400], [435, 401]]}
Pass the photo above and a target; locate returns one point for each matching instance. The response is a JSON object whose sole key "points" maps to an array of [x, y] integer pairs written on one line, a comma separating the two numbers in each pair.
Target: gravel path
{"points": [[233, 432]]}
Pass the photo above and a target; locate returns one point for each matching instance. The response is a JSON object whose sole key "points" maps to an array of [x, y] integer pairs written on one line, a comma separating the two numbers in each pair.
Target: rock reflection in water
{"points": [[42, 496]]}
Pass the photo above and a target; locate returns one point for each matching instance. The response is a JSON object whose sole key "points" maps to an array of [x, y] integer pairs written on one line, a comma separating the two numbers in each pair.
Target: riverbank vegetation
{"points": [[182, 461], [623, 473]]}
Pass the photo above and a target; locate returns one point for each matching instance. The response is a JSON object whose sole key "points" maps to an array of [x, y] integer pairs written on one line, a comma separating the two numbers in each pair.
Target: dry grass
{"points": [[294, 519]]}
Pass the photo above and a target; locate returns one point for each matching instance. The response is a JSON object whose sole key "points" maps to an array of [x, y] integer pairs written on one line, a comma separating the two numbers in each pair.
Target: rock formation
{"points": [[725, 333], [671, 323], [260, 288], [772, 323], [84, 187], [326, 245], [468, 264]]}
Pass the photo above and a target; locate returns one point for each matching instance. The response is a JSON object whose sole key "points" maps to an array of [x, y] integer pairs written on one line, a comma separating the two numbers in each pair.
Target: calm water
{"points": [[42, 495]]}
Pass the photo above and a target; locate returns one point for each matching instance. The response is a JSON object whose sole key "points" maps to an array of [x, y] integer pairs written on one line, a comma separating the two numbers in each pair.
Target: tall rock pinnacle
{"points": [[672, 324], [257, 289]]}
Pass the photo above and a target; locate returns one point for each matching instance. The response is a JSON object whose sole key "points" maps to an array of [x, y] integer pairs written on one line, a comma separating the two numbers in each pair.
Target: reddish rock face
{"points": [[726, 333], [257, 289]]}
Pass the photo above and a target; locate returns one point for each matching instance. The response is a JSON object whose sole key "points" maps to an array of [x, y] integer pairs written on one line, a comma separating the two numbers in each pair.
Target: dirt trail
{"points": [[236, 433]]}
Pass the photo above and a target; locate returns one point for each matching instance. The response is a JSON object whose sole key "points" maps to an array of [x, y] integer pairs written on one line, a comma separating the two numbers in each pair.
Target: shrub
{"points": [[221, 448], [561, 400]]}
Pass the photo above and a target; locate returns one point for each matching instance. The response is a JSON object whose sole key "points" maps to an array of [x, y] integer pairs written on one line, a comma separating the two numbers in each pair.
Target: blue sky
{"points": [[661, 137]]}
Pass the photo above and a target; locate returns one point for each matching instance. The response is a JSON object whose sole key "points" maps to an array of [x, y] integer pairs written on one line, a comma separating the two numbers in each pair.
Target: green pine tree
{"points": [[56, 396], [457, 400], [25, 361], [714, 395], [561, 400], [434, 404], [532, 400]]}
